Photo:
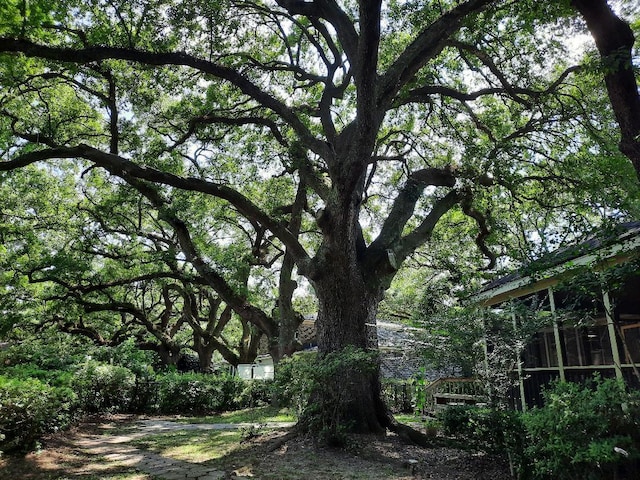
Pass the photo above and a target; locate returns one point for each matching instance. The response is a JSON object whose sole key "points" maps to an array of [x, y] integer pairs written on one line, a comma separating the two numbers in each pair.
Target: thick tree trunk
{"points": [[348, 297], [347, 305], [345, 309], [205, 354]]}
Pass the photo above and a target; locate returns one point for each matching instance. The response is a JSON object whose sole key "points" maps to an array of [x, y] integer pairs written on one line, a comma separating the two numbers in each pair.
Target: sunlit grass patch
{"points": [[408, 418], [250, 415], [192, 446]]}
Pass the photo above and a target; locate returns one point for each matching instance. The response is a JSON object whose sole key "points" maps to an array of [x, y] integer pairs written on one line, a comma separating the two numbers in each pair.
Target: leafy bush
{"points": [[103, 387], [298, 378], [582, 432], [575, 434], [487, 429], [51, 352], [127, 354], [255, 393], [55, 378], [294, 381], [30, 408], [193, 393], [198, 393], [145, 394]]}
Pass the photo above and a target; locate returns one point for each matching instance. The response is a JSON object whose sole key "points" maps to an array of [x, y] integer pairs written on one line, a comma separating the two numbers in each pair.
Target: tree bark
{"points": [[205, 350], [288, 320], [348, 296], [614, 39], [169, 355], [345, 308], [250, 344]]}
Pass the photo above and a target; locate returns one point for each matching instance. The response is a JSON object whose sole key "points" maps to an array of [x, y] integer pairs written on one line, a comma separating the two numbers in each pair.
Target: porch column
{"points": [[612, 334], [556, 334], [485, 351], [485, 348], [523, 400]]}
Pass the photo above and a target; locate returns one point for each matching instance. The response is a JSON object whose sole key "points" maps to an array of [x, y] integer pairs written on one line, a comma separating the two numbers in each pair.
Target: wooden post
{"points": [[485, 349], [523, 400], [556, 334], [615, 353]]}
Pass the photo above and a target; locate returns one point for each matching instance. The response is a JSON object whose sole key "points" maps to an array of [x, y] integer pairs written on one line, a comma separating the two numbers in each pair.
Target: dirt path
{"points": [[115, 452], [106, 449]]}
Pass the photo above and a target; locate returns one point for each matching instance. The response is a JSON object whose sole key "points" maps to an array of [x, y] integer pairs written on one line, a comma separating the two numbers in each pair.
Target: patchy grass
{"points": [[430, 426], [249, 415], [408, 418], [191, 446]]}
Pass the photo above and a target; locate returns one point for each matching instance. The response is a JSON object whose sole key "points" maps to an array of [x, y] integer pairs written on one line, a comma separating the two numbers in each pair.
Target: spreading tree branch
{"points": [[483, 228], [427, 45], [330, 11], [120, 166], [614, 39], [239, 304], [404, 204], [98, 53]]}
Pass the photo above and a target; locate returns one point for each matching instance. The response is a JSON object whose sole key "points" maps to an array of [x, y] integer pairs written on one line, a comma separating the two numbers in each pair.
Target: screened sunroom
{"points": [[586, 300]]}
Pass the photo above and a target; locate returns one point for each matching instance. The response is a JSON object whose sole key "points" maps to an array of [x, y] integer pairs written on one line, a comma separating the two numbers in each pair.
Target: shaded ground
{"points": [[133, 448]]}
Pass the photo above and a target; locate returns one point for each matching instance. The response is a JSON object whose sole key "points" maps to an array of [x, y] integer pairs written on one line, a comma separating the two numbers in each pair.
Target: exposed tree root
{"points": [[279, 442], [410, 434], [406, 433]]}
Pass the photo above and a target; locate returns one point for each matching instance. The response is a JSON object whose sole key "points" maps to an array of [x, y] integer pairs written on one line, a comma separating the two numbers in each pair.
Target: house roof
{"points": [[607, 247]]}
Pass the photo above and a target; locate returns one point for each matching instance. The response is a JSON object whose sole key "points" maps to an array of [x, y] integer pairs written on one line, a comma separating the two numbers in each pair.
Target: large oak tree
{"points": [[379, 117]]}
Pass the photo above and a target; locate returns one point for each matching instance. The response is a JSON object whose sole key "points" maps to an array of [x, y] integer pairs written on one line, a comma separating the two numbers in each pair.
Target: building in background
{"points": [[590, 294]]}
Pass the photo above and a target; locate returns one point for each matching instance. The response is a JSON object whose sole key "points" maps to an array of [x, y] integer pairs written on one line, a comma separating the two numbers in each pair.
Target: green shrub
{"points": [[30, 408], [576, 435], [487, 429], [573, 436], [103, 387], [145, 394], [55, 378], [298, 378], [127, 354], [255, 393], [191, 393], [294, 381], [55, 351]]}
